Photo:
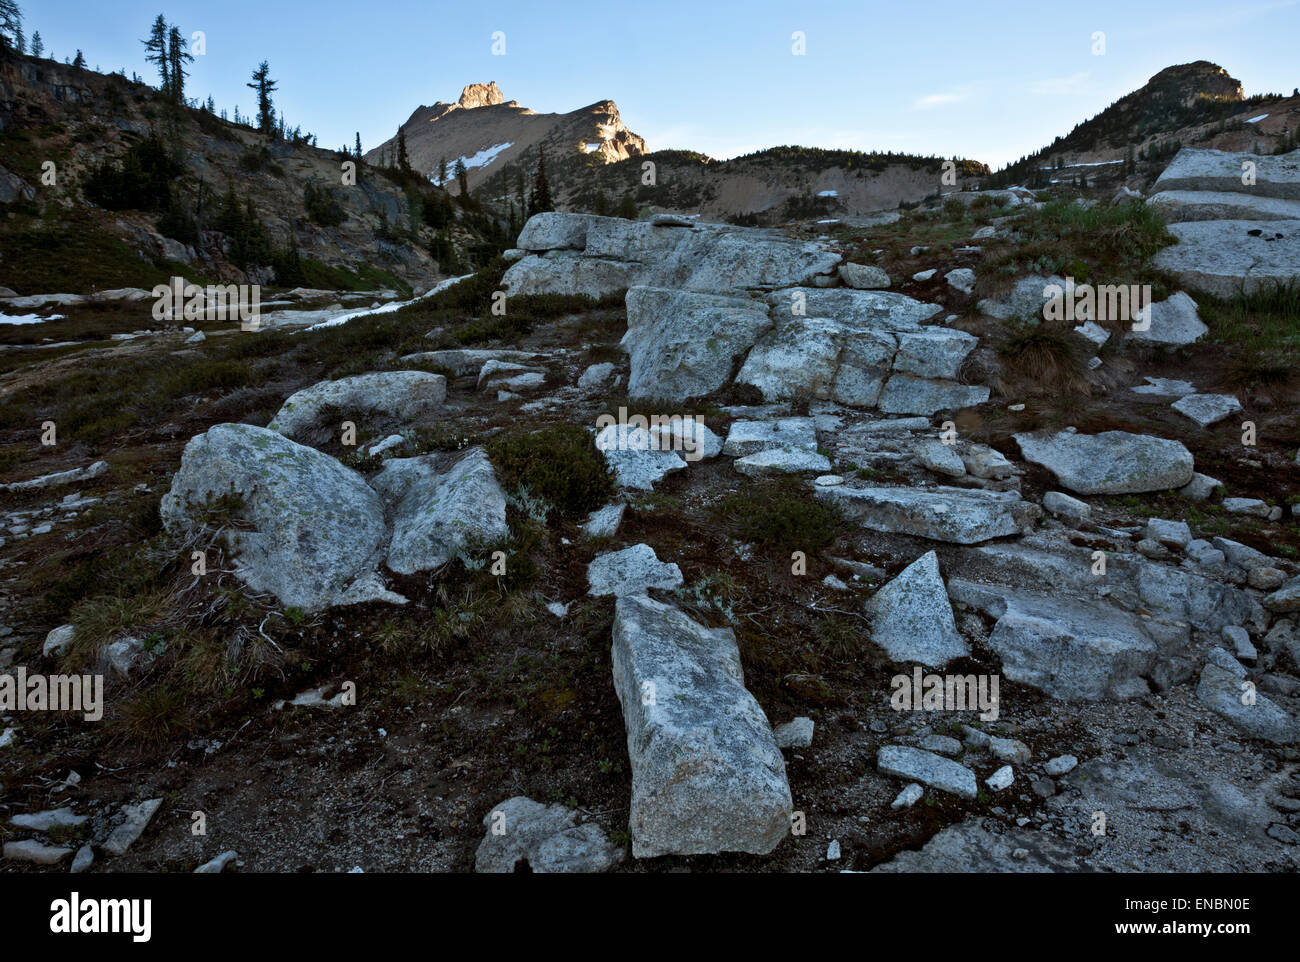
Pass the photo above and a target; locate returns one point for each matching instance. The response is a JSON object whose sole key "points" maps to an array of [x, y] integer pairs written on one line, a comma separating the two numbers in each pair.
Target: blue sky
{"points": [[989, 81]]}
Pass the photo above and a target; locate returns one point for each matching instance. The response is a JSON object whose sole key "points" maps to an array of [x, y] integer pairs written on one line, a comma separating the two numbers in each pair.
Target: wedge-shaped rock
{"points": [[1074, 650], [1229, 257], [911, 617], [309, 527], [438, 507], [906, 394], [685, 344], [707, 775], [956, 515], [1113, 462], [917, 765], [553, 230], [397, 395], [1175, 320]]}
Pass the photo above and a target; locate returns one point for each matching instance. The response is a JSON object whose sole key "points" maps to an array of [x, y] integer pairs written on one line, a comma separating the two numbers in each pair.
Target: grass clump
{"points": [[779, 512], [1040, 359], [560, 465]]}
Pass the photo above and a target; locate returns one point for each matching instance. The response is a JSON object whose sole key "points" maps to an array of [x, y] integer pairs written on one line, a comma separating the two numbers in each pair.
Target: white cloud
{"points": [[940, 100], [1059, 86]]}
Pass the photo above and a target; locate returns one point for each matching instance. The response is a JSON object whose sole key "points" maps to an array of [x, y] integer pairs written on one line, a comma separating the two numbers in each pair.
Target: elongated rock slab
{"points": [[707, 775]]}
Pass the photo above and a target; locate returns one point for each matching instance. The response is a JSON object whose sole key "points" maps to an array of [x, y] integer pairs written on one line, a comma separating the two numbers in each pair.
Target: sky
{"points": [[988, 81]]}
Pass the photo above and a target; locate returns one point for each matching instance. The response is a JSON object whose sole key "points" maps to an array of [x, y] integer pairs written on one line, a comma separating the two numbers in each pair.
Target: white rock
{"points": [[217, 865], [707, 775], [604, 522], [631, 571], [596, 375], [908, 797], [781, 461], [794, 734], [940, 458], [58, 641], [1251, 506], [1000, 779], [927, 768], [636, 456], [1113, 462], [1060, 765], [30, 850], [546, 838], [962, 278], [863, 276], [1064, 506], [750, 437], [137, 819], [397, 395], [1207, 409], [912, 618]]}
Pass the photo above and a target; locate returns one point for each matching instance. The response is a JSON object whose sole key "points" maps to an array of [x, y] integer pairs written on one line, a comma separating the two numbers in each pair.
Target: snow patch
{"points": [[1255, 120], [28, 318], [387, 308], [828, 193], [481, 159]]}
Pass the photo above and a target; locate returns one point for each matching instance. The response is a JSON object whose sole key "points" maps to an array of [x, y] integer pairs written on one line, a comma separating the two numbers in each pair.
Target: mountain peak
{"points": [[481, 95]]}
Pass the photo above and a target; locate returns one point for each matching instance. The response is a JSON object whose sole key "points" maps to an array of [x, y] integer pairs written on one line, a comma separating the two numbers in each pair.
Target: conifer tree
{"points": [[403, 160], [79, 61], [156, 51], [11, 25], [178, 54], [38, 45], [541, 187], [358, 145], [264, 86]]}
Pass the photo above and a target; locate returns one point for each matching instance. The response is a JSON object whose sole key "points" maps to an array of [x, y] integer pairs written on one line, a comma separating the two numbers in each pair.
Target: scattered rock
{"points": [[524, 834], [927, 768], [794, 734], [631, 571], [912, 618], [136, 819], [1113, 462]]}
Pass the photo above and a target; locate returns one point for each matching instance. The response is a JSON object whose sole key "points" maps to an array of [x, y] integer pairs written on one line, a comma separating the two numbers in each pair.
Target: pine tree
{"points": [[265, 86], [358, 145], [461, 173], [156, 51], [38, 45], [442, 172], [11, 25], [178, 54], [541, 187], [211, 105], [80, 61], [403, 160]]}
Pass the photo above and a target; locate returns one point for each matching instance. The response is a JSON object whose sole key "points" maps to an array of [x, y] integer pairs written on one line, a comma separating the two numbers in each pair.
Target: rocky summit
{"points": [[539, 502]]}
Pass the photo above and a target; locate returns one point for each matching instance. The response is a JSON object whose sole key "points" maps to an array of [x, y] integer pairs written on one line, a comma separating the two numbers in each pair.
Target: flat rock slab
{"points": [[1229, 257], [543, 838], [1072, 650], [907, 394], [782, 461], [956, 515], [707, 775], [438, 507], [911, 616], [1194, 169], [399, 395], [637, 457], [462, 362], [1177, 206], [631, 571], [859, 310], [750, 437], [935, 771], [1113, 462], [1165, 387], [1207, 409], [970, 848], [1174, 321]]}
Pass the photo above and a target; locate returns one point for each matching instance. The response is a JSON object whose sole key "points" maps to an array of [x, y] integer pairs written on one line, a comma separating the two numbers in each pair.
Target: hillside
{"points": [[144, 189], [1194, 104], [774, 185]]}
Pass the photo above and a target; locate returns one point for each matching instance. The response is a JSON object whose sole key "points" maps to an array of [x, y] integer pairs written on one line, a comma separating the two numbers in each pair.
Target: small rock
{"points": [[1239, 638], [1265, 579], [30, 850], [58, 641], [82, 861], [137, 819], [962, 279], [217, 865], [1251, 506], [833, 851], [1000, 779], [908, 796], [942, 745], [1010, 750], [1064, 506], [1061, 764], [794, 734]]}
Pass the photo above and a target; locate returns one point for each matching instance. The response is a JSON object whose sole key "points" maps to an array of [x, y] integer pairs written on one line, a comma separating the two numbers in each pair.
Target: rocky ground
{"points": [[447, 617]]}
